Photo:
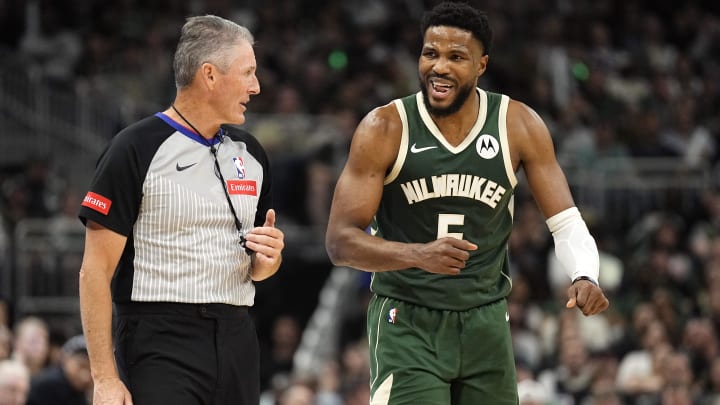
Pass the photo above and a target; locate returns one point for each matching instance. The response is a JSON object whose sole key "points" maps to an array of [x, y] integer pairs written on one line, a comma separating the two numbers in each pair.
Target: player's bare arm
{"points": [[357, 196], [532, 149]]}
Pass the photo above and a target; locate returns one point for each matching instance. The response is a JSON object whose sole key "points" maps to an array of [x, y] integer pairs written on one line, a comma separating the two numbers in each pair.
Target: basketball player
{"points": [[431, 176]]}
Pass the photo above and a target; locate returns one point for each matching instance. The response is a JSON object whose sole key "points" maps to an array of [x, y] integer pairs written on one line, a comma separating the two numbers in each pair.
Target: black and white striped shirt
{"points": [[156, 184]]}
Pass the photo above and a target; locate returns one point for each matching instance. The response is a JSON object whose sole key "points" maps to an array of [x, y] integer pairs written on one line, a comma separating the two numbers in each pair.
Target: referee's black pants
{"points": [[187, 354]]}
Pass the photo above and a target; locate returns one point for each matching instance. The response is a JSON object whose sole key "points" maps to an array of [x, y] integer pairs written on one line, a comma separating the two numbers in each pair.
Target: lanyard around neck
{"points": [[219, 175]]}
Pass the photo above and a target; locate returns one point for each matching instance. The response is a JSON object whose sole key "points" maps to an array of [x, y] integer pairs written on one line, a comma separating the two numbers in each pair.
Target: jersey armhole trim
{"points": [[404, 141], [504, 144]]}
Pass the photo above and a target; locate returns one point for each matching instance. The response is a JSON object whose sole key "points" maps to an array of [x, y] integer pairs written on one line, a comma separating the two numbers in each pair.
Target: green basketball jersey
{"points": [[435, 190]]}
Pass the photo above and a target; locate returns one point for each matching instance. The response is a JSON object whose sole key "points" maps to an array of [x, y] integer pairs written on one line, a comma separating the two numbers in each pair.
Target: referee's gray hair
{"points": [[206, 39]]}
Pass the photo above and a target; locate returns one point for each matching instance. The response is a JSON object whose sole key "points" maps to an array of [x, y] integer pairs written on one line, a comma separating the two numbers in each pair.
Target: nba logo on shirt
{"points": [[240, 167], [392, 315]]}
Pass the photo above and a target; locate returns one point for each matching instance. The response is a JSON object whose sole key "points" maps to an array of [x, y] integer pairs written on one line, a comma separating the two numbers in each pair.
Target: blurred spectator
{"points": [[687, 138], [677, 395], [56, 339], [659, 258], [297, 394], [14, 382], [603, 392], [32, 193], [50, 42], [531, 392], [32, 343], [356, 392], [711, 389], [571, 379], [641, 316], [355, 363], [12, 20], [677, 373], [329, 382], [700, 346], [347, 381], [640, 373], [67, 383], [644, 135], [528, 244], [554, 59], [604, 106], [706, 229], [277, 357], [5, 342], [4, 311], [6, 268], [523, 321]]}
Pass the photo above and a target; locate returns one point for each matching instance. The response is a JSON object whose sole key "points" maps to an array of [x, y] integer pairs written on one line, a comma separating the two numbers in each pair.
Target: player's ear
{"points": [[482, 64]]}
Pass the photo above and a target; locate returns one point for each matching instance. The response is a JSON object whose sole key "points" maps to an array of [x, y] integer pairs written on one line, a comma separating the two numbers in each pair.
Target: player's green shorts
{"points": [[423, 356]]}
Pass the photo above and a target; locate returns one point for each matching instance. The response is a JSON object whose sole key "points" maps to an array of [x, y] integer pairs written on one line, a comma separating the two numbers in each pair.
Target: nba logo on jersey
{"points": [[240, 167], [392, 315]]}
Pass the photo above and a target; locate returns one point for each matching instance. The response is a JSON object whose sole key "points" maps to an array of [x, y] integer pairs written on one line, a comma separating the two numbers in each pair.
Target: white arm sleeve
{"points": [[575, 248]]}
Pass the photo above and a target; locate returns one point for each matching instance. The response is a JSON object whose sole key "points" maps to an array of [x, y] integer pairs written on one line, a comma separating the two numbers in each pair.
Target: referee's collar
{"points": [[187, 131]]}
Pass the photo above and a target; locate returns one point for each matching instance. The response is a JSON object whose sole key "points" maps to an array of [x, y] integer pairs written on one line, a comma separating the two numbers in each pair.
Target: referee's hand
{"points": [[111, 391], [267, 242]]}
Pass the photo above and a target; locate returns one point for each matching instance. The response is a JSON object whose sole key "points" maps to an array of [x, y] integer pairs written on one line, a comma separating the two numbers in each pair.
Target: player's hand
{"points": [[111, 391], [587, 296], [444, 256]]}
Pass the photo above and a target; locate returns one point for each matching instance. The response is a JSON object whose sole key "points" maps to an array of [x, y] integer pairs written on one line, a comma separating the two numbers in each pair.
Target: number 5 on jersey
{"points": [[445, 221]]}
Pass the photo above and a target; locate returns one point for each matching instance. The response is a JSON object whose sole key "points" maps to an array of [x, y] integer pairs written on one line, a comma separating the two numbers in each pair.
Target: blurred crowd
{"points": [[38, 369], [617, 82]]}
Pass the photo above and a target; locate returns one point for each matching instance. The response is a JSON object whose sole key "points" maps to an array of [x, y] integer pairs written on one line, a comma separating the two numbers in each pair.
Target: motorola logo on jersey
{"points": [[487, 146]]}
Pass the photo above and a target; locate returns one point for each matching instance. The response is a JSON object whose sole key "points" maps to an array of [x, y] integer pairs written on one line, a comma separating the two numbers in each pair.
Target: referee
{"points": [[178, 226]]}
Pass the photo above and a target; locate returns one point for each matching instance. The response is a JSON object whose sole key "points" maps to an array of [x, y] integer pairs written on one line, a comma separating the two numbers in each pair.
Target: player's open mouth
{"points": [[440, 89]]}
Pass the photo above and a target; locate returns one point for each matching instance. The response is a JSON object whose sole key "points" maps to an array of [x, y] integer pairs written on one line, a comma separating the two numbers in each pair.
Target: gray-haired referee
{"points": [[179, 225]]}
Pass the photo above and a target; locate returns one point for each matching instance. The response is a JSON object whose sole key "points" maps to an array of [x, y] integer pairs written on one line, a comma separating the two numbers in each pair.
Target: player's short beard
{"points": [[462, 95]]}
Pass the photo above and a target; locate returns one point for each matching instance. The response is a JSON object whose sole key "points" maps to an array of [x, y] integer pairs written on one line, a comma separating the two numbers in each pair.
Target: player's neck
{"points": [[456, 126]]}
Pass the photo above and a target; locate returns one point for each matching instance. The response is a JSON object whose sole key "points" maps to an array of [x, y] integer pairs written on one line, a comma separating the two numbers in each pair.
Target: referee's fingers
{"points": [[270, 218]]}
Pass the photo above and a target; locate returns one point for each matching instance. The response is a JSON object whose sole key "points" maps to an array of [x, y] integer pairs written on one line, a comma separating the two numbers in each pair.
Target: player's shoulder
{"points": [[527, 132], [518, 108], [384, 119], [523, 119]]}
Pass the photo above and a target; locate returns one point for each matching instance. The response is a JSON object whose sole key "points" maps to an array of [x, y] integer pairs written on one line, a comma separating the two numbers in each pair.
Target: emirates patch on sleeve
{"points": [[243, 187], [97, 202]]}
